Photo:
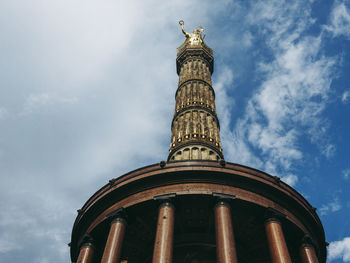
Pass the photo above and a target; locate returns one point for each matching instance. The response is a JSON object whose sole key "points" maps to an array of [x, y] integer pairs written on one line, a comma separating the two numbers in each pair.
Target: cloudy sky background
{"points": [[87, 94]]}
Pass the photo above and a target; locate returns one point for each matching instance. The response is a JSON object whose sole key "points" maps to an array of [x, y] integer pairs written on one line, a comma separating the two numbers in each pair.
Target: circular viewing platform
{"points": [[196, 197]]}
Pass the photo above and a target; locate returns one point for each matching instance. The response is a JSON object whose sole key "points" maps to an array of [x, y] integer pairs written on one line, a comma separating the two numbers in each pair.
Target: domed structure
{"points": [[196, 207]]}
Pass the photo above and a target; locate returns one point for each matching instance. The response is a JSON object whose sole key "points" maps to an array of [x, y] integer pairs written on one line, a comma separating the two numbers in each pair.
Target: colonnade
{"points": [[225, 241]]}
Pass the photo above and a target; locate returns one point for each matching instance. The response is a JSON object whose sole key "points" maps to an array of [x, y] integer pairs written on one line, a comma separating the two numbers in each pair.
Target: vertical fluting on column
{"points": [[277, 244], [163, 245], [307, 251], [112, 251], [86, 253], [225, 243]]}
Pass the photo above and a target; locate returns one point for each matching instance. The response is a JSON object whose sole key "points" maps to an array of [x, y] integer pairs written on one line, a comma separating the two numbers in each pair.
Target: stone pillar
{"points": [[114, 242], [307, 251], [163, 245], [225, 243], [86, 253], [277, 244]]}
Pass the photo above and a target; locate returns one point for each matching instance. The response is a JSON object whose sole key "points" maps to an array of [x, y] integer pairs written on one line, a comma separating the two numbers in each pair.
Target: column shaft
{"points": [[163, 245], [86, 253], [225, 243], [307, 254], [277, 244], [114, 242]]}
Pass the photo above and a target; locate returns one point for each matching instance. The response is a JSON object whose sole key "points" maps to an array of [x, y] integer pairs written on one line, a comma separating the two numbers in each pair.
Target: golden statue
{"points": [[196, 37]]}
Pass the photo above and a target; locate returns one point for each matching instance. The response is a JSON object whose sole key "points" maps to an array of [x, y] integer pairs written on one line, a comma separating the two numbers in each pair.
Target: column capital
{"points": [[87, 244], [165, 200], [118, 215], [86, 241], [118, 219], [223, 199], [272, 215], [272, 219], [166, 203], [307, 241], [222, 202]]}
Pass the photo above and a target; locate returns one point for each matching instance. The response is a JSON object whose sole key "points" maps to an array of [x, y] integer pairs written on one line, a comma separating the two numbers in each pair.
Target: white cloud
{"points": [[332, 206], [94, 90], [329, 150], [6, 244], [290, 179], [346, 174], [293, 93], [282, 21], [30, 222], [345, 97], [339, 250], [44, 100], [225, 104], [3, 113], [339, 20]]}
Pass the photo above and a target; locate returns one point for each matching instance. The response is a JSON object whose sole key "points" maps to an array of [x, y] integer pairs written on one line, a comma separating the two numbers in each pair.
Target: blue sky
{"points": [[87, 94]]}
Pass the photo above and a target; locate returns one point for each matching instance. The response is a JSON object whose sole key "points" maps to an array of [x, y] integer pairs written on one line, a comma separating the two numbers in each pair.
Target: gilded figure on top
{"points": [[194, 38]]}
